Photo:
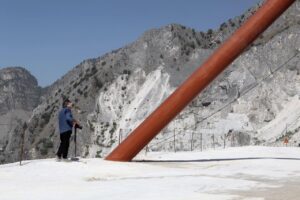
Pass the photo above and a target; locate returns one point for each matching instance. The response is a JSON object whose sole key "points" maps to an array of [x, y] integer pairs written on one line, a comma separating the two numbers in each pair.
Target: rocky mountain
{"points": [[19, 95], [253, 102]]}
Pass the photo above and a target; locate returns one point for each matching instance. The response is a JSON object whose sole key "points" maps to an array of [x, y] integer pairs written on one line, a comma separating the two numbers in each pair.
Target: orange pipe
{"points": [[204, 75]]}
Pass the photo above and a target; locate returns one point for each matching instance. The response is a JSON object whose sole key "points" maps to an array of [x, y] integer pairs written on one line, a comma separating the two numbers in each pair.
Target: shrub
{"points": [[98, 154], [125, 71], [187, 52], [210, 32], [79, 91], [194, 32], [97, 83], [223, 26]]}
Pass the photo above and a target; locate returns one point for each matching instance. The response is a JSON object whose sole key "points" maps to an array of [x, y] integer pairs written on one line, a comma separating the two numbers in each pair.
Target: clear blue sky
{"points": [[50, 37]]}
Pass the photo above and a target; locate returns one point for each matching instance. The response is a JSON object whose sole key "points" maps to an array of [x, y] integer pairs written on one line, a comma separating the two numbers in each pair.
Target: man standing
{"points": [[66, 123]]}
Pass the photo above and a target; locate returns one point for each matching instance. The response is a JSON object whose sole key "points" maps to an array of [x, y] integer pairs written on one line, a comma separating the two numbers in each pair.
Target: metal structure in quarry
{"points": [[199, 80]]}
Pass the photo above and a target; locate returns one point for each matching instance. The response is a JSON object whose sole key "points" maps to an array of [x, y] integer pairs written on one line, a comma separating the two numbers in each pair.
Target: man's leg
{"points": [[66, 144], [60, 149]]}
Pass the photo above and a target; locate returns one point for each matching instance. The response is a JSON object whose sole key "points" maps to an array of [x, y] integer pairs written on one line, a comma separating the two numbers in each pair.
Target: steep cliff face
{"points": [[250, 103], [19, 90], [20, 94]]}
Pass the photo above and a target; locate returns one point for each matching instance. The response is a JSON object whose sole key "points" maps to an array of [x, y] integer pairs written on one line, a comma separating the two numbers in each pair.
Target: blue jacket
{"points": [[65, 119]]}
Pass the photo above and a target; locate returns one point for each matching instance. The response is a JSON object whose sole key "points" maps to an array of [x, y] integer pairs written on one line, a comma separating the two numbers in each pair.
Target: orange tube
{"points": [[204, 75]]}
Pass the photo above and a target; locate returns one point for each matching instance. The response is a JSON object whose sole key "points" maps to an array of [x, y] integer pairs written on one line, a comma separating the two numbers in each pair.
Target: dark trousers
{"points": [[64, 144]]}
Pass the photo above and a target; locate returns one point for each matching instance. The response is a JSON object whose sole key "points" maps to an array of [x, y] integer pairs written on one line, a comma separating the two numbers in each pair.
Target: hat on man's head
{"points": [[65, 102]]}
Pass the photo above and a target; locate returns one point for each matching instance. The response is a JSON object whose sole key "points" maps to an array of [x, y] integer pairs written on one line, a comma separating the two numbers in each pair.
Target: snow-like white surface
{"points": [[287, 117], [234, 173], [128, 99], [234, 121]]}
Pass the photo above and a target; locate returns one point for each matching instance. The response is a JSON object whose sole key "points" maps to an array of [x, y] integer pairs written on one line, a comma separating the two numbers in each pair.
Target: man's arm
{"points": [[71, 121], [69, 117]]}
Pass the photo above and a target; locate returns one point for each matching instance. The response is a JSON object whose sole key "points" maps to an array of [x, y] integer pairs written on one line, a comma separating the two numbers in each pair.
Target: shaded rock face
{"points": [[19, 90], [117, 91], [19, 95]]}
